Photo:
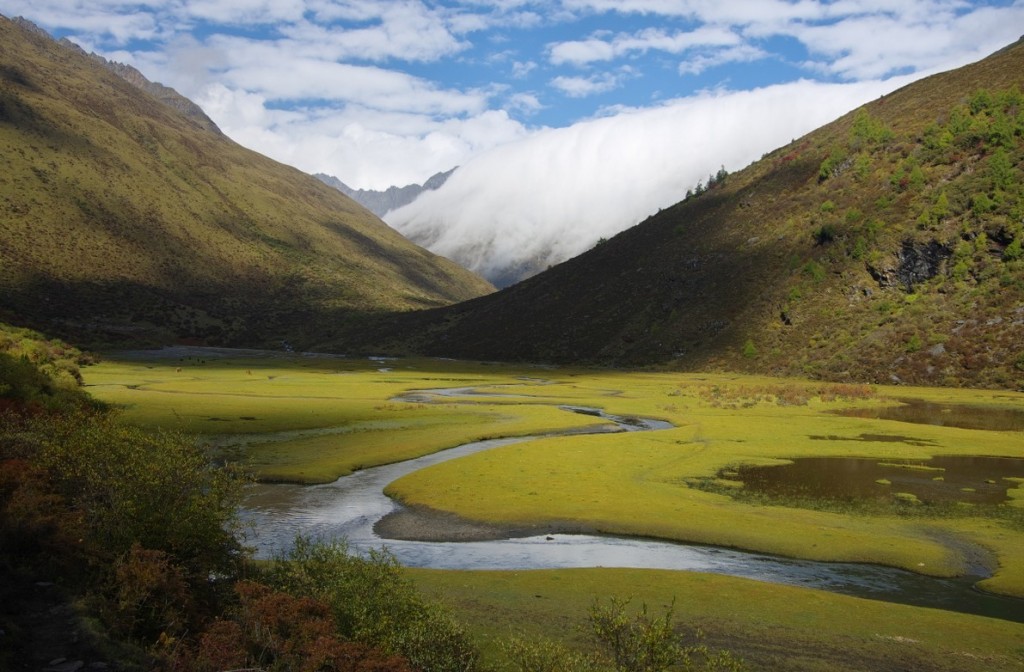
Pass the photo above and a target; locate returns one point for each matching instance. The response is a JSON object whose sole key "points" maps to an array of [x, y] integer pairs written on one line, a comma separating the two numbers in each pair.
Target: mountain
{"points": [[164, 94], [382, 202], [885, 246], [126, 215]]}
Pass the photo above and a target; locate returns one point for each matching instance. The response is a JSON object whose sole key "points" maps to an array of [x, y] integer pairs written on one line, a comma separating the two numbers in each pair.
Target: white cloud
{"points": [[521, 69], [90, 20], [650, 39], [875, 45], [733, 12], [383, 92], [579, 52], [527, 103], [694, 65], [408, 30], [365, 147], [853, 39], [553, 194], [243, 12], [580, 87]]}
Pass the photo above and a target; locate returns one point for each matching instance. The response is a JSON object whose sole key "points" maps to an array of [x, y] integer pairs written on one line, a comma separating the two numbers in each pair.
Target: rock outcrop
{"points": [[914, 263]]}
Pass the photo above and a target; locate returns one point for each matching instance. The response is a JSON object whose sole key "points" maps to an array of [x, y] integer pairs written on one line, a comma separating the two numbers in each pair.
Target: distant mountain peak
{"points": [[392, 198]]}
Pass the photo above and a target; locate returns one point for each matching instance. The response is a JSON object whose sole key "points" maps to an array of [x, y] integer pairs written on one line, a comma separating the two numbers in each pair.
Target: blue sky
{"points": [[383, 92], [389, 91]]}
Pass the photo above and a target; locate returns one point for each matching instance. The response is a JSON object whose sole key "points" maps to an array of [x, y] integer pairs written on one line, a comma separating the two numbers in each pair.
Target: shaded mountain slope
{"points": [[883, 246], [122, 218]]}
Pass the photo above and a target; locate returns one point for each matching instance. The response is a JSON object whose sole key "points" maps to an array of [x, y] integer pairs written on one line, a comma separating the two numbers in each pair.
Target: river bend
{"points": [[350, 506]]}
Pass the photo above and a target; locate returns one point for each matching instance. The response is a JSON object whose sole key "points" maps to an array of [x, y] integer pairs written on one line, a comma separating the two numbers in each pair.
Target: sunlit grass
{"points": [[772, 626], [311, 420]]}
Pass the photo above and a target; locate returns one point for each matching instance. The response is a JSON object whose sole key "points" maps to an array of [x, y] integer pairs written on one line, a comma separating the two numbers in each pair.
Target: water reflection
{"points": [[945, 415], [942, 479]]}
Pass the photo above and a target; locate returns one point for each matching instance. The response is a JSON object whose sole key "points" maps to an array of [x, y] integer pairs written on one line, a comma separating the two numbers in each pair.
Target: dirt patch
{"points": [[973, 559], [424, 524]]}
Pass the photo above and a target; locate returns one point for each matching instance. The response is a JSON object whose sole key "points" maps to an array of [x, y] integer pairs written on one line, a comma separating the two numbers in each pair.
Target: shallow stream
{"points": [[351, 506]]}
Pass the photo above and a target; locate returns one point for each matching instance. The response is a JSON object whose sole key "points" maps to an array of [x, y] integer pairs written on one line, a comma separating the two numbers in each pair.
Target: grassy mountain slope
{"points": [[885, 245], [121, 218]]}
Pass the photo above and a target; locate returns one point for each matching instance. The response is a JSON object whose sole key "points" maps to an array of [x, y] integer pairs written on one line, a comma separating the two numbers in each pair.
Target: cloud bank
{"points": [[389, 92], [518, 208]]}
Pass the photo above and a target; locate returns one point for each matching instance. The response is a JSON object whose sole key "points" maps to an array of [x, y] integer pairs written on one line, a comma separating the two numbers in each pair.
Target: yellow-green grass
{"points": [[774, 627], [312, 420], [638, 484]]}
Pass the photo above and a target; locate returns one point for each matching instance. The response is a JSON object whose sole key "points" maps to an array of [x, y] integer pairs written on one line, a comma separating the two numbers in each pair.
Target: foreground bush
{"points": [[140, 524], [270, 630], [373, 602], [639, 642], [124, 486]]}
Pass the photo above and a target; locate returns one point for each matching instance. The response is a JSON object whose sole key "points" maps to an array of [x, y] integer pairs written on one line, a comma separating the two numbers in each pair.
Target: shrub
{"points": [[826, 233], [1000, 169], [981, 204], [373, 602], [867, 129], [24, 384], [544, 655], [645, 643], [274, 631], [860, 248], [131, 487], [980, 101], [151, 597], [1013, 251], [834, 165], [629, 643], [814, 271], [749, 350]]}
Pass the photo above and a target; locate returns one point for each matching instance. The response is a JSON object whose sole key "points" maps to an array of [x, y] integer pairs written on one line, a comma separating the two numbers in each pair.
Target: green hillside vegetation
{"points": [[40, 373], [121, 219], [885, 246]]}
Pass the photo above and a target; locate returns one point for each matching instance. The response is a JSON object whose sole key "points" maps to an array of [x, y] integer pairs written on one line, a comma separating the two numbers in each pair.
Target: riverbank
{"points": [[420, 523]]}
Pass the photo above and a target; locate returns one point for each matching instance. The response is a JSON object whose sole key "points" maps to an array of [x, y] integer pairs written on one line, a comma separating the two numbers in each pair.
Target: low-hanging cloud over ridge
{"points": [[520, 207]]}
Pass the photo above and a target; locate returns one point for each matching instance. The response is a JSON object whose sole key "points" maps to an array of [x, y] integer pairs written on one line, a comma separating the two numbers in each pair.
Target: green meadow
{"points": [[772, 627], [312, 419]]}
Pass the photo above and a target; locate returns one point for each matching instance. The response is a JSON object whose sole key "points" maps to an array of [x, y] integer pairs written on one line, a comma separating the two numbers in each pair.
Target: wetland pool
{"points": [[964, 416], [944, 479]]}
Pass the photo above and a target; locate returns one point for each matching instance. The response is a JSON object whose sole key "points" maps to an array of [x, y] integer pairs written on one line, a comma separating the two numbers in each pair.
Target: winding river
{"points": [[351, 506]]}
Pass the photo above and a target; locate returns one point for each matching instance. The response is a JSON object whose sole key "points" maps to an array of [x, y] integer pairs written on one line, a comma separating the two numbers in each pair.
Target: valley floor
{"points": [[312, 419]]}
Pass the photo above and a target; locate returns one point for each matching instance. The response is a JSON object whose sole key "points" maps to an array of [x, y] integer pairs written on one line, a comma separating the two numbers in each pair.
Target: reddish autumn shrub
{"points": [[152, 599], [272, 630]]}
